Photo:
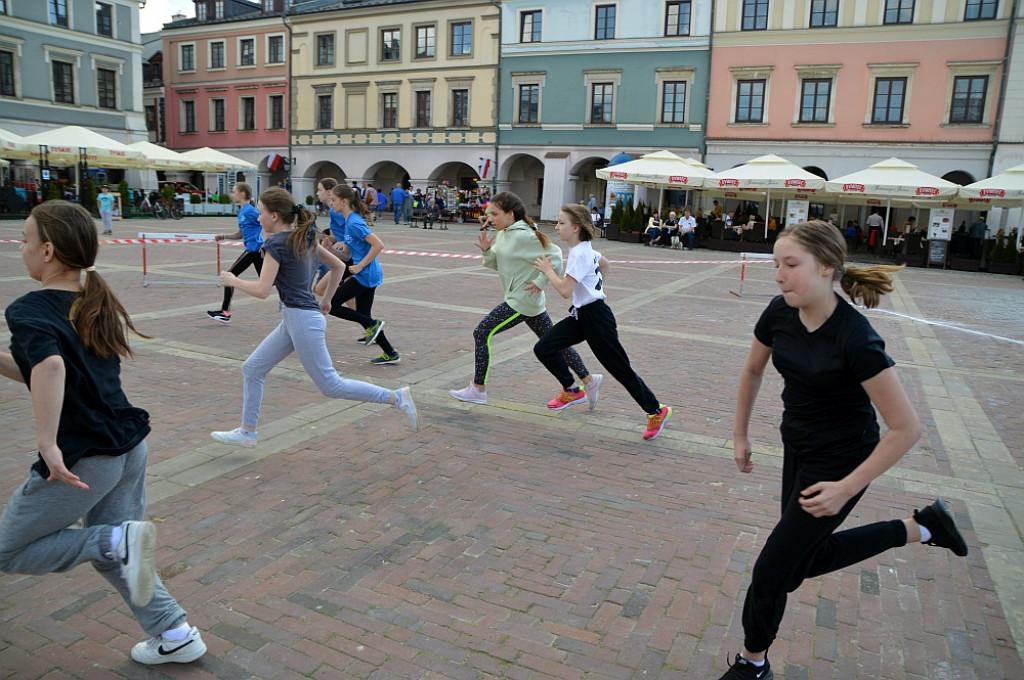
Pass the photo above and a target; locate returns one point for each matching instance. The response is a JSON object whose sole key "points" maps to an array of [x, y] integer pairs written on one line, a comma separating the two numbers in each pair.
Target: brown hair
{"points": [[302, 239], [580, 216], [328, 183], [510, 202], [827, 245], [98, 316], [355, 201], [245, 189]]}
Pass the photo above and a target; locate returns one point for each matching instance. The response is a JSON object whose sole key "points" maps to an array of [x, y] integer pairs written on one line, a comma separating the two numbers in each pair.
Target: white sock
{"points": [[116, 534], [177, 634], [925, 534], [755, 663]]}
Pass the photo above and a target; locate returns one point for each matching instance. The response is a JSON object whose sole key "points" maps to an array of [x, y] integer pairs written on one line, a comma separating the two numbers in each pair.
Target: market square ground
{"points": [[506, 541]]}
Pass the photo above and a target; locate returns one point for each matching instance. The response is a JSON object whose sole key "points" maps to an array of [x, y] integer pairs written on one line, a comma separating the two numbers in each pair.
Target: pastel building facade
{"points": [[393, 92], [583, 81], [225, 76]]}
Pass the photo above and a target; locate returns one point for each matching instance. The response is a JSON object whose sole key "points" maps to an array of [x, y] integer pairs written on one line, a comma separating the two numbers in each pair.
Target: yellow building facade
{"points": [[394, 93]]}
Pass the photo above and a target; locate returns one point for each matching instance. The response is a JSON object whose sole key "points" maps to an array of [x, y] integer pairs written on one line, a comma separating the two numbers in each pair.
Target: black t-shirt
{"points": [[826, 411], [96, 418]]}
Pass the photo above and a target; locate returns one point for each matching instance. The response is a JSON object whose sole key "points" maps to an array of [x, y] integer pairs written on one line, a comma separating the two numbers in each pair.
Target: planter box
{"points": [[963, 264], [630, 236], [1004, 268], [611, 231]]}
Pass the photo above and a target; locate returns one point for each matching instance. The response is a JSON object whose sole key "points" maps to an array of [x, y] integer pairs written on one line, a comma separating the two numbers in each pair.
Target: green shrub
{"points": [[224, 199], [195, 198], [309, 200], [54, 192], [167, 191], [126, 197]]}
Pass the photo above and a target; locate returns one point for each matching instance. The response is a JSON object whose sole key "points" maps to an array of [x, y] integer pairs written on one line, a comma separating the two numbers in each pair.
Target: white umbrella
{"points": [[161, 158], [658, 170], [15, 146], [212, 160], [63, 146], [768, 173], [1004, 189], [892, 178]]}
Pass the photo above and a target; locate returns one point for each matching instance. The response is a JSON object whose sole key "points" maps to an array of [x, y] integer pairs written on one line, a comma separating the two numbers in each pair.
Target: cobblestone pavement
{"points": [[507, 541]]}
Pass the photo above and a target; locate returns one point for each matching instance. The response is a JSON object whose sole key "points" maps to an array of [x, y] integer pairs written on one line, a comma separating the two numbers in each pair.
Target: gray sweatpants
{"points": [[302, 331], [35, 538]]}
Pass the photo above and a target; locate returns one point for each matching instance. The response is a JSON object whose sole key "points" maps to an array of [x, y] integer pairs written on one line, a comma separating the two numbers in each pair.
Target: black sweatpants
{"points": [[802, 546], [351, 288], [250, 258], [594, 323]]}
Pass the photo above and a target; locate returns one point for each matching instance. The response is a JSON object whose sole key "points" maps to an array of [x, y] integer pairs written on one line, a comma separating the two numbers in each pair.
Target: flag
{"points": [[274, 161], [485, 168]]}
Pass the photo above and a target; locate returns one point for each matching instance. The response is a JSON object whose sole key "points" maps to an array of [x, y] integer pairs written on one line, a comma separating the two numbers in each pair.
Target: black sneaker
{"points": [[386, 358], [938, 519], [744, 670], [372, 332], [219, 315]]}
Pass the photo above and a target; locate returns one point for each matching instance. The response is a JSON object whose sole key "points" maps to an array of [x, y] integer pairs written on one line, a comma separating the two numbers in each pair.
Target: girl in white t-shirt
{"points": [[590, 318]]}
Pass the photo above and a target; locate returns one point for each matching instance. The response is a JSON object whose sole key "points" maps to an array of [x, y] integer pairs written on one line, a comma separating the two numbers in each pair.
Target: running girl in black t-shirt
{"points": [[66, 343], [834, 367]]}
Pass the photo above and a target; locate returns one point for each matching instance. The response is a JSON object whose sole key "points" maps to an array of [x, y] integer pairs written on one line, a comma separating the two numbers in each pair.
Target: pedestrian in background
{"points": [[105, 204]]}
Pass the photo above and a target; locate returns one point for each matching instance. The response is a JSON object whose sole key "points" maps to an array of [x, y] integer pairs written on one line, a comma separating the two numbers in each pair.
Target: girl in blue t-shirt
{"points": [[362, 246], [291, 254], [835, 372], [251, 233]]}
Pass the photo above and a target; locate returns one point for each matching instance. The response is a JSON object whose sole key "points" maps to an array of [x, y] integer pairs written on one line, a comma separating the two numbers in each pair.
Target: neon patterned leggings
{"points": [[500, 319]]}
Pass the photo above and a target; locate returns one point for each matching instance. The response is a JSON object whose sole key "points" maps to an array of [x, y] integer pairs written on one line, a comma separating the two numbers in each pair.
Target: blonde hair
{"points": [[826, 245], [580, 216]]}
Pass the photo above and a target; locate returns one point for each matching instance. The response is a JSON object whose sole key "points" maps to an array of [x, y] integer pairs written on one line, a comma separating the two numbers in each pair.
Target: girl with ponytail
{"points": [[836, 372], [291, 254], [67, 341], [512, 252]]}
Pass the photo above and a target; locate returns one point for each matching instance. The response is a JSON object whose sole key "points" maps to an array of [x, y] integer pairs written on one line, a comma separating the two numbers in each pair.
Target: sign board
{"points": [[940, 224], [796, 211], [937, 249], [46, 174], [620, 192]]}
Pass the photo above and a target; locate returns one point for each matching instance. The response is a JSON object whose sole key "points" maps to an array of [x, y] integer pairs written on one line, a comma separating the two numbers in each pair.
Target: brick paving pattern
{"points": [[506, 541]]}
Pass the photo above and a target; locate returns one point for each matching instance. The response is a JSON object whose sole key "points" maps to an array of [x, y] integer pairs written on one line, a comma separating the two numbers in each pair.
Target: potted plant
{"points": [[1003, 258], [612, 228]]}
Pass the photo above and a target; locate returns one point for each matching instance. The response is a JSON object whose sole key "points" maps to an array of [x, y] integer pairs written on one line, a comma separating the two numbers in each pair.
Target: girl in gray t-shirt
{"points": [[291, 253]]}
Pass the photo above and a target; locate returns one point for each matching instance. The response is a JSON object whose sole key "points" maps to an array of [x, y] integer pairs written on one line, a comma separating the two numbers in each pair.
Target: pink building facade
{"points": [[226, 87]]}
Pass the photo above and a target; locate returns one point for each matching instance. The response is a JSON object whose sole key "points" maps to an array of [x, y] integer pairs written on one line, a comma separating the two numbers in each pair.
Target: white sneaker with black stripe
{"points": [[135, 552], [158, 650]]}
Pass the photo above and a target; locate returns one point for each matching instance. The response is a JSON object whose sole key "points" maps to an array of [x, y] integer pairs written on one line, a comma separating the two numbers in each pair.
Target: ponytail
{"points": [[355, 201], [302, 237], [97, 315], [868, 284]]}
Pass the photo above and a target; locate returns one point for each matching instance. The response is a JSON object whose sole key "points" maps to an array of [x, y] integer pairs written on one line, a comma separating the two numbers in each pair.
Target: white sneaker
{"points": [[470, 394], [136, 555], [592, 387], [158, 650], [405, 404], [235, 437]]}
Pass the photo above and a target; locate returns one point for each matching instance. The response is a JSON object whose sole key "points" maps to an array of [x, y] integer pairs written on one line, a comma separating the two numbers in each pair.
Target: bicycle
{"points": [[151, 204], [174, 208]]}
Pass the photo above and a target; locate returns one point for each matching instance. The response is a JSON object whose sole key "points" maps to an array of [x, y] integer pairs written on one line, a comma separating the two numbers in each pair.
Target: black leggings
{"points": [[802, 547], [351, 288], [594, 323], [503, 317], [249, 258]]}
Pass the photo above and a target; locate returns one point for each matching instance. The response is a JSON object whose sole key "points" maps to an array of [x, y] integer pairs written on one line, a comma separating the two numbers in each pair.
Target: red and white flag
{"points": [[274, 160], [486, 168]]}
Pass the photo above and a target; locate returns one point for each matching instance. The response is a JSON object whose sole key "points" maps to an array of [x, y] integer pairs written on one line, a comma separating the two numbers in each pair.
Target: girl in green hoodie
{"points": [[512, 252]]}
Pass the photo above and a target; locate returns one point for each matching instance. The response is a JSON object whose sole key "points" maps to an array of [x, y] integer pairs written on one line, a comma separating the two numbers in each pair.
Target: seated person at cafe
{"points": [[653, 230], [669, 231]]}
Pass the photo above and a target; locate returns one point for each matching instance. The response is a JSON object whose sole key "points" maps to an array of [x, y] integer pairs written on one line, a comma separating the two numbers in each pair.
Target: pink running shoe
{"points": [[566, 398], [656, 423], [469, 394]]}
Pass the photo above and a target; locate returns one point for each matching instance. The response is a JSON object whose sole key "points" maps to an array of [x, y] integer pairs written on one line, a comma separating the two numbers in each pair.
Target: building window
{"points": [[968, 105], [601, 103], [217, 121], [529, 26], [425, 41], [750, 101], [188, 116], [529, 104], [422, 109], [188, 58], [460, 108], [980, 9], [63, 83], [325, 112], [389, 109], [247, 52], [275, 49], [275, 111], [217, 54], [106, 88], [59, 13], [200, 11], [104, 19], [890, 94], [604, 22], [3, 6], [247, 113], [677, 18], [150, 118], [755, 15], [325, 50], [218, 9], [824, 13], [673, 102], [815, 95], [390, 44], [7, 74], [462, 39], [899, 11]]}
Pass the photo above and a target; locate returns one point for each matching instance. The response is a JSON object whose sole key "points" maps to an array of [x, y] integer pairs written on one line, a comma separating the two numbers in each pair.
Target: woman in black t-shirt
{"points": [[66, 343], [836, 371]]}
